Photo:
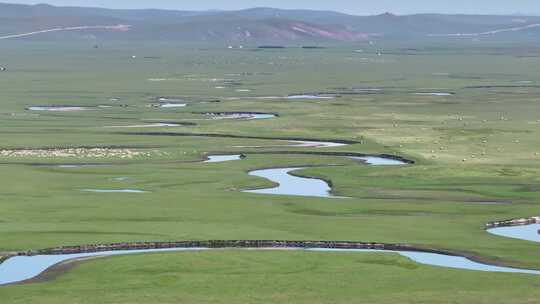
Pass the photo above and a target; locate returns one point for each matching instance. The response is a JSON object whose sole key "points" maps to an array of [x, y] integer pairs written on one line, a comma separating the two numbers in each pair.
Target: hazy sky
{"points": [[360, 7]]}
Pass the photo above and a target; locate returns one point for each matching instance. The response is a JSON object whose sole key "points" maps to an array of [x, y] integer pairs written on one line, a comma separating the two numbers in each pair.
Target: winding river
{"points": [[23, 268], [291, 185]]}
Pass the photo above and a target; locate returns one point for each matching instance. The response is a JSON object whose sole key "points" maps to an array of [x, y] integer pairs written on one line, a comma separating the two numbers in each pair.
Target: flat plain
{"points": [[476, 149]]}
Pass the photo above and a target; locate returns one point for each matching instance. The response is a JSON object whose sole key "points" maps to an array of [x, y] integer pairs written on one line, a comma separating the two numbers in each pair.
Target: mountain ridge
{"points": [[254, 25]]}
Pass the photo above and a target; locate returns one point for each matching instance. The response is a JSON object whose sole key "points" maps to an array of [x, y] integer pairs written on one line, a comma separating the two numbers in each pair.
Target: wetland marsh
{"points": [[475, 152]]}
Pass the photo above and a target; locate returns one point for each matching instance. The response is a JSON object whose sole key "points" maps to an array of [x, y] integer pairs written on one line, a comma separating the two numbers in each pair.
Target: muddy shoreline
{"points": [[4, 257], [54, 271], [514, 222]]}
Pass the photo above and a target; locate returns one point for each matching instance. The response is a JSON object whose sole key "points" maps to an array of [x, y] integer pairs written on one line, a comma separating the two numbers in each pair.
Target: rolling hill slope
{"points": [[251, 26]]}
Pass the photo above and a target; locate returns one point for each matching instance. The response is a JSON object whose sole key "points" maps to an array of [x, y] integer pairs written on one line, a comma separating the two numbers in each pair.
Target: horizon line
{"points": [[278, 8]]}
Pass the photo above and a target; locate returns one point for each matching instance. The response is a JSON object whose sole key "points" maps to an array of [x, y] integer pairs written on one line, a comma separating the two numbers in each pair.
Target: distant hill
{"points": [[252, 26]]}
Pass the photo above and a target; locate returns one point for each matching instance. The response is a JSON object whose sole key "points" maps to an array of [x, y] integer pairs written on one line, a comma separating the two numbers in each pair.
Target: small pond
{"points": [[222, 158], [525, 232]]}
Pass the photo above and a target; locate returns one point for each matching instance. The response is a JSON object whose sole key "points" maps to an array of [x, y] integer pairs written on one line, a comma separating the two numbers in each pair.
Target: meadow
{"points": [[476, 150]]}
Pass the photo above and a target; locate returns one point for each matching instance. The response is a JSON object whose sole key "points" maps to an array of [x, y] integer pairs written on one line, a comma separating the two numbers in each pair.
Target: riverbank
{"points": [[46, 264], [514, 222]]}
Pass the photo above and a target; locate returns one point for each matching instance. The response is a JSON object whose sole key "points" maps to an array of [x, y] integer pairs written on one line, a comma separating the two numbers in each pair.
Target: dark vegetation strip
{"points": [[172, 134], [224, 244], [180, 123], [342, 154], [514, 222], [5, 257], [257, 244]]}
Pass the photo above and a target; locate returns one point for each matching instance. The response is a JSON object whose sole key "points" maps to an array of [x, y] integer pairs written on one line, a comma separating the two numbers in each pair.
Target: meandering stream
{"points": [[291, 185], [22, 268]]}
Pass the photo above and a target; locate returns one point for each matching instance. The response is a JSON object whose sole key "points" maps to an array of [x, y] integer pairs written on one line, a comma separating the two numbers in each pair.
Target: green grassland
{"points": [[476, 156]]}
